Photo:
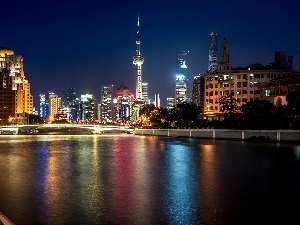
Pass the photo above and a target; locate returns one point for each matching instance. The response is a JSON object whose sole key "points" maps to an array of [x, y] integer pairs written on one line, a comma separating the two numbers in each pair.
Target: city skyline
{"points": [[87, 45]]}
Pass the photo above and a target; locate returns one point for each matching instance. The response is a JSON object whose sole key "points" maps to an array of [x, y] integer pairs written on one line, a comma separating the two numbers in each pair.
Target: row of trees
{"points": [[257, 114], [152, 116], [31, 119]]}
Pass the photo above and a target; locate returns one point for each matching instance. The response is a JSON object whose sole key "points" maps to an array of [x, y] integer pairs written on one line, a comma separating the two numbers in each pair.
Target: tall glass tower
{"points": [[213, 53], [70, 107], [182, 73]]}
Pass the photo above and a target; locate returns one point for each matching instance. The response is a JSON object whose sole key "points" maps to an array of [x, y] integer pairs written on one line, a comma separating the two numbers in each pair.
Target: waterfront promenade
{"points": [[271, 135]]}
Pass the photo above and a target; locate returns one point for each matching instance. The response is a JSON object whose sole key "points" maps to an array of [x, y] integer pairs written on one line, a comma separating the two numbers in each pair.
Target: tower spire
{"points": [[138, 40], [224, 65], [138, 60]]}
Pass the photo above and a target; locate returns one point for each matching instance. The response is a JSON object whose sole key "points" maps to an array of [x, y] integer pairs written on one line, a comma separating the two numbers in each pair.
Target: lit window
{"points": [[267, 92]]}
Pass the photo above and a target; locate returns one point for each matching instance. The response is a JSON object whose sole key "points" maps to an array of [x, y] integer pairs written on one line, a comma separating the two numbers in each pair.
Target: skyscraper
{"points": [[69, 104], [138, 61], [44, 105], [170, 103], [55, 105], [87, 108], [124, 103], [182, 73], [157, 100], [145, 92], [213, 53], [282, 61], [106, 113], [15, 97], [198, 91]]}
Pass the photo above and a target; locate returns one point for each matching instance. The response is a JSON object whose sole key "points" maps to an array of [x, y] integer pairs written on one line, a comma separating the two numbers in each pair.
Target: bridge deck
{"points": [[36, 128]]}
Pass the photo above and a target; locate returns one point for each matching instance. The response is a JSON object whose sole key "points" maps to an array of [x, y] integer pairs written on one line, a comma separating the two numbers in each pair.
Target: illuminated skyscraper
{"points": [[123, 103], [106, 113], [182, 73], [70, 104], [170, 103], [55, 106], [145, 92], [138, 61], [198, 91], [87, 107], [44, 105], [157, 100], [213, 53], [15, 97]]}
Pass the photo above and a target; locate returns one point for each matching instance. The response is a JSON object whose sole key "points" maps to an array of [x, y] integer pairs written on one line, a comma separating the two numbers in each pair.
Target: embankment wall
{"points": [[273, 135]]}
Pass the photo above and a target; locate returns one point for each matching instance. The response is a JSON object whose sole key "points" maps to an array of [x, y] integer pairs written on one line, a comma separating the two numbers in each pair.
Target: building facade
{"points": [[55, 106], [16, 99], [246, 84], [276, 90]]}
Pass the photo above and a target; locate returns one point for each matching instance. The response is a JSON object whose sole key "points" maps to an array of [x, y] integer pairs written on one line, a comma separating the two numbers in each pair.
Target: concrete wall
{"points": [[274, 135]]}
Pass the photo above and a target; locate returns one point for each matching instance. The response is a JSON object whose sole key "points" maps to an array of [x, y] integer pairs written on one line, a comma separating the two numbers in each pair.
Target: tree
{"points": [[293, 99], [282, 119], [228, 105], [60, 121], [184, 115], [4, 122], [185, 111], [160, 118], [145, 114], [259, 114], [293, 108]]}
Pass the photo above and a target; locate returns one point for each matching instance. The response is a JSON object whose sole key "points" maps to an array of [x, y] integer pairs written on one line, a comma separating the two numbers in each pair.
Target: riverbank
{"points": [[246, 135]]}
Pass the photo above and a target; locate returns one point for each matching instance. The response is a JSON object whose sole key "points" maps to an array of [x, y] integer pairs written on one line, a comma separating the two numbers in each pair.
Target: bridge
{"points": [[65, 129]]}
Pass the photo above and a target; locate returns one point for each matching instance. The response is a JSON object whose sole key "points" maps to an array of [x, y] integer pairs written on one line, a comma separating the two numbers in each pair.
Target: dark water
{"points": [[147, 180]]}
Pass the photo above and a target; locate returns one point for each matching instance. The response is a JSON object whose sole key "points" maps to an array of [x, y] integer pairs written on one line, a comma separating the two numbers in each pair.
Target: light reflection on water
{"points": [[181, 184], [145, 180]]}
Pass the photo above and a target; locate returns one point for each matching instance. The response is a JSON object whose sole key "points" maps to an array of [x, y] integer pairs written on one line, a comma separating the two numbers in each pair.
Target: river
{"points": [[127, 179]]}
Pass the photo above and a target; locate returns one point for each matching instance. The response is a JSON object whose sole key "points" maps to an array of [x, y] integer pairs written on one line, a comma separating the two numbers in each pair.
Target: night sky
{"points": [[86, 44]]}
